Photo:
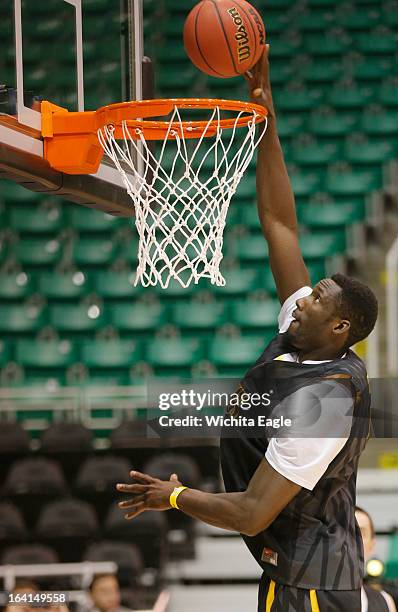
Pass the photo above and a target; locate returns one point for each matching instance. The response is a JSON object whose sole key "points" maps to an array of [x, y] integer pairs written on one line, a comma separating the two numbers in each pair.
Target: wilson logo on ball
{"points": [[224, 38], [241, 35]]}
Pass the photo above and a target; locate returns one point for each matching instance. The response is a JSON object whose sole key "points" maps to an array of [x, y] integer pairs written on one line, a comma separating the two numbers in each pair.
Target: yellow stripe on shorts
{"points": [[270, 596], [314, 601]]}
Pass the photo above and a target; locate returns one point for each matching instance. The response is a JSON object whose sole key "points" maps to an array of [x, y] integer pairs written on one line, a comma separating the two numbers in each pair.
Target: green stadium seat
{"points": [[84, 219], [93, 251], [3, 249], [110, 353], [247, 187], [60, 285], [175, 290], [249, 248], [334, 44], [276, 23], [373, 69], [388, 94], [359, 19], [389, 15], [173, 352], [297, 98], [240, 351], [266, 281], [198, 315], [347, 96], [137, 317], [77, 317], [237, 282], [314, 21], [171, 28], [52, 28], [290, 126], [314, 248], [382, 42], [38, 252], [117, 284], [320, 71], [249, 217], [275, 5], [331, 215], [379, 123], [15, 285], [326, 122], [352, 182], [5, 353], [49, 354], [281, 76], [304, 183], [255, 314], [35, 220], [178, 7], [12, 193], [21, 318], [309, 152], [96, 6], [359, 150], [321, 4], [282, 47]]}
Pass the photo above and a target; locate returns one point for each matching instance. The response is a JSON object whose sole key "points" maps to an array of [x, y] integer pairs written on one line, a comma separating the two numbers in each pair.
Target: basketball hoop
{"points": [[181, 195]]}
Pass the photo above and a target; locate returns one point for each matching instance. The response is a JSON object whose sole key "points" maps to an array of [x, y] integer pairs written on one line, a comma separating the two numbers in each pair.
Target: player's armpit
{"points": [[267, 495]]}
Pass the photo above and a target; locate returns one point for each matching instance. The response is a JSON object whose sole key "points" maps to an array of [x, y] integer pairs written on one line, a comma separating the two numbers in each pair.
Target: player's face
{"points": [[106, 594], [316, 316], [366, 532]]}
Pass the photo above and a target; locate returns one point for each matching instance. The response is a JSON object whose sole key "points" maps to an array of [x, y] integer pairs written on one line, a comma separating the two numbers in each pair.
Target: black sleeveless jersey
{"points": [[376, 601], [315, 542]]}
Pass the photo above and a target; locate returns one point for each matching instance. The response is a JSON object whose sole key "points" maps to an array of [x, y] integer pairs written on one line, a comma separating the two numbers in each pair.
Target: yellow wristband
{"points": [[174, 495]]}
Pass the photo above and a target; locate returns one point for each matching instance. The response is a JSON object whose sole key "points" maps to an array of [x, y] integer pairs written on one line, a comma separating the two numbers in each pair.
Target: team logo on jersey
{"points": [[269, 556]]}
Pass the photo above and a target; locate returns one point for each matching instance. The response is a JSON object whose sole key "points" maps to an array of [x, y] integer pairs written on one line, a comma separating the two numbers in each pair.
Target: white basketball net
{"points": [[181, 197]]}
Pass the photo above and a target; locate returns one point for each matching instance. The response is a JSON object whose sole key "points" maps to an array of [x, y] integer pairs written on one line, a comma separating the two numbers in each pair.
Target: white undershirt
{"points": [[302, 460]]}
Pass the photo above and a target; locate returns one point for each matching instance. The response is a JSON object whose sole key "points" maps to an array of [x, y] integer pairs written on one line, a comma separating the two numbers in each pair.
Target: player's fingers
{"points": [[132, 503], [135, 489], [130, 488], [137, 510], [145, 478]]}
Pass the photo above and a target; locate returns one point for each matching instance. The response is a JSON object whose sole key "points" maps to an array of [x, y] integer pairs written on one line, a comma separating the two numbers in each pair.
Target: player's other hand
{"points": [[147, 493], [259, 83]]}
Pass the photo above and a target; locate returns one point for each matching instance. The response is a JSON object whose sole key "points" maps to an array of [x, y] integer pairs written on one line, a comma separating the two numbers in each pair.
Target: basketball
{"points": [[224, 38]]}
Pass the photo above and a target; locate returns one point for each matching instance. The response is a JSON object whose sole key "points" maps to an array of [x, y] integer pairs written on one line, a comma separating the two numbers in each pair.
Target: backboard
{"points": [[78, 54]]}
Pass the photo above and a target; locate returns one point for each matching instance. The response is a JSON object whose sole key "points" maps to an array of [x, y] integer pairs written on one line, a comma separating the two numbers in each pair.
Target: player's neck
{"points": [[321, 354]]}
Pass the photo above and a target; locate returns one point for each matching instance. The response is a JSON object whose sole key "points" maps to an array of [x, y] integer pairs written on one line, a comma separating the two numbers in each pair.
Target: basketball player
{"points": [[374, 598], [293, 498]]}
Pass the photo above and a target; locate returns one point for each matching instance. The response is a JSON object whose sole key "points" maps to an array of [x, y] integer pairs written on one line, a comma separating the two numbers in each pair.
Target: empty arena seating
{"points": [[70, 270]]}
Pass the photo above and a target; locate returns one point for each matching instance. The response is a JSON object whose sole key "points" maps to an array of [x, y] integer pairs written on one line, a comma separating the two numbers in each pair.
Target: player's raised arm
{"points": [[275, 199]]}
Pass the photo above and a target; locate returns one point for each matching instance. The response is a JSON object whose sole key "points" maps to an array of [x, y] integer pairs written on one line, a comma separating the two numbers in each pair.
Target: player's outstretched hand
{"points": [[147, 493], [259, 83]]}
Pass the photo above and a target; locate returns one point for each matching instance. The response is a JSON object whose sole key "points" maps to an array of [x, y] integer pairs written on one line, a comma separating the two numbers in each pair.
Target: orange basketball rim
{"points": [[71, 143]]}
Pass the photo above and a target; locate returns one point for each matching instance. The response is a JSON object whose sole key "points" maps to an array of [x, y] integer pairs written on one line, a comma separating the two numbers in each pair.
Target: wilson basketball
{"points": [[224, 38]]}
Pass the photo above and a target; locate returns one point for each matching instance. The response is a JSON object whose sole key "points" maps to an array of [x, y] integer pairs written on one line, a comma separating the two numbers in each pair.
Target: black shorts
{"points": [[273, 597]]}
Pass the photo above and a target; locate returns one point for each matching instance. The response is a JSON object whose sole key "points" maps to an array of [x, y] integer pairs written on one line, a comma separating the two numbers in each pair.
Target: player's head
{"points": [[340, 312], [367, 528], [105, 592]]}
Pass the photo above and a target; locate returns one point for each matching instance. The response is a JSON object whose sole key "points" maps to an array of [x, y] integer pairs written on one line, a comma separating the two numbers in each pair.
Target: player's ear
{"points": [[341, 327]]}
